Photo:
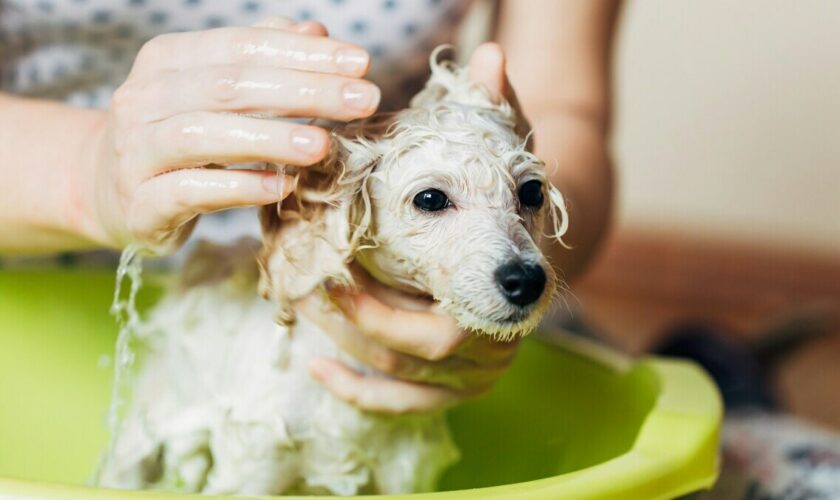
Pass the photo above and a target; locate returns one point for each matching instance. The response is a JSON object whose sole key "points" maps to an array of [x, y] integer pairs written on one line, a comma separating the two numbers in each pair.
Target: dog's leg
{"points": [[248, 459], [413, 452]]}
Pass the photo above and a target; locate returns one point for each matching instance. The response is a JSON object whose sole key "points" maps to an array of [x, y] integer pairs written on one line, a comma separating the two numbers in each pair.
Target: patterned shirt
{"points": [[79, 51]]}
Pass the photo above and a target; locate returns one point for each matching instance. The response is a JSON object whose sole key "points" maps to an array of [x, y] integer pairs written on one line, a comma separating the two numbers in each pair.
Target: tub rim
{"points": [[676, 452]]}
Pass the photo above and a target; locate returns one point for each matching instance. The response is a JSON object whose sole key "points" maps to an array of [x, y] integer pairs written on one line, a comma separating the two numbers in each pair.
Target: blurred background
{"points": [[726, 140], [727, 120], [727, 143], [725, 246]]}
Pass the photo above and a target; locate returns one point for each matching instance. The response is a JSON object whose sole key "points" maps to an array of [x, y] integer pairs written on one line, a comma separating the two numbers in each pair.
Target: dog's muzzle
{"points": [[521, 284]]}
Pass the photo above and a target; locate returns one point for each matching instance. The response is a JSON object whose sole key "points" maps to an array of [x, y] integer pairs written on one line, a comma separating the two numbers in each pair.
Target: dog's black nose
{"points": [[521, 283]]}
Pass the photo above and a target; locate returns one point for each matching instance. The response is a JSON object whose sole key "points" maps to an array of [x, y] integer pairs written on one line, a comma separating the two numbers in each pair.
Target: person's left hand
{"points": [[431, 362]]}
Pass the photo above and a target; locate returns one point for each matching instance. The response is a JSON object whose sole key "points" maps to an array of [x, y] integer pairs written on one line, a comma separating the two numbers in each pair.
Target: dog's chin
{"points": [[506, 328]]}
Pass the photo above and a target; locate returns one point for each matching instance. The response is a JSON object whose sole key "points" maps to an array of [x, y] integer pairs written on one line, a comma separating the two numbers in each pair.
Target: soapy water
{"points": [[124, 309]]}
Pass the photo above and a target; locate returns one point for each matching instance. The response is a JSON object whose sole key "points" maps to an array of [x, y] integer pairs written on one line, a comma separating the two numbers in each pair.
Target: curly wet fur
{"points": [[356, 204]]}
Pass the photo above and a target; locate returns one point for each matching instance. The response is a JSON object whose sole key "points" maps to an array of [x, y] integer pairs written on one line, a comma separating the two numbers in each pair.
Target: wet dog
{"points": [[442, 199]]}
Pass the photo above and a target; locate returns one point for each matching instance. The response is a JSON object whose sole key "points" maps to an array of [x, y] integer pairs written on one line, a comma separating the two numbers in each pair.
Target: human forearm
{"points": [[43, 146], [559, 54], [578, 164], [559, 65]]}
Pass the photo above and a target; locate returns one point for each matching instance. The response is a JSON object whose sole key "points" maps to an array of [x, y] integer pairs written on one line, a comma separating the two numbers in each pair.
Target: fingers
{"points": [[481, 349], [165, 202], [311, 28], [455, 372], [485, 350], [175, 111], [195, 139], [277, 22], [255, 46], [487, 67], [423, 334], [250, 89], [379, 394]]}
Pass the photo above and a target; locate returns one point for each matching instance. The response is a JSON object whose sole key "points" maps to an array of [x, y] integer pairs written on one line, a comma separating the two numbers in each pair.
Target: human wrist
{"points": [[85, 189]]}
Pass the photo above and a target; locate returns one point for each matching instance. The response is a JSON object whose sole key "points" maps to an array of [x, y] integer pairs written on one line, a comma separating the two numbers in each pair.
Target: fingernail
{"points": [[310, 28], [307, 140], [319, 368], [361, 96], [276, 185], [352, 60]]}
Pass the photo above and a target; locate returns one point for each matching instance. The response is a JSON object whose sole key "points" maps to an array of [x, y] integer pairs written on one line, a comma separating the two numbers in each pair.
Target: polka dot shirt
{"points": [[79, 51]]}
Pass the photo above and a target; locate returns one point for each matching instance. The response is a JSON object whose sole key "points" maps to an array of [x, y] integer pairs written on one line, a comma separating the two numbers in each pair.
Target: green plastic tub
{"points": [[558, 425]]}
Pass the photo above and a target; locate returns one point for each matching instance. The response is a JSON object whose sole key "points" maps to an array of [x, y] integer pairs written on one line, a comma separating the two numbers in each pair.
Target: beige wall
{"points": [[728, 118]]}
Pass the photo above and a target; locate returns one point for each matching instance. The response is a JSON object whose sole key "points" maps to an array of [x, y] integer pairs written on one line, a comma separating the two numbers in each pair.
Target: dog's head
{"points": [[442, 198]]}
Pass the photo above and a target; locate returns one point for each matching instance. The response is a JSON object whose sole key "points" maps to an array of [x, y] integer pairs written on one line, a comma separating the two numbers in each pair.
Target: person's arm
{"points": [[42, 144], [558, 62], [71, 178]]}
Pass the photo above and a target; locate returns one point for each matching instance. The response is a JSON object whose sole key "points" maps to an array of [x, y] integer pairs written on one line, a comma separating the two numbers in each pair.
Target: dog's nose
{"points": [[521, 283]]}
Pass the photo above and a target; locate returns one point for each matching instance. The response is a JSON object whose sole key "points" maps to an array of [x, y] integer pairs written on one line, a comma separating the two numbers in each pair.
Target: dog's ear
{"points": [[313, 235]]}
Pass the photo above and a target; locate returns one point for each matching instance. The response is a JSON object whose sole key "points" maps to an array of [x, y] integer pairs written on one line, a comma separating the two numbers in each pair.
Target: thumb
{"points": [[487, 68]]}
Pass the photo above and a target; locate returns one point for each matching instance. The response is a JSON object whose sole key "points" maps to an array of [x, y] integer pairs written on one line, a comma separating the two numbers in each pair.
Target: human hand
{"points": [[194, 101], [430, 362]]}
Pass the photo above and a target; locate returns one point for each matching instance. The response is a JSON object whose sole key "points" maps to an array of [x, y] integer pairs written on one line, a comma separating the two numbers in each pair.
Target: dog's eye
{"points": [[431, 200], [530, 194]]}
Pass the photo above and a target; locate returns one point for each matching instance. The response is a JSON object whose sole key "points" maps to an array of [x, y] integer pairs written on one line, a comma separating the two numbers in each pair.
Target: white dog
{"points": [[441, 199]]}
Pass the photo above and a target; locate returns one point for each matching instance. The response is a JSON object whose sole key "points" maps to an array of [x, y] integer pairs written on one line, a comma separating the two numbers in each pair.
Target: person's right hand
{"points": [[200, 99]]}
